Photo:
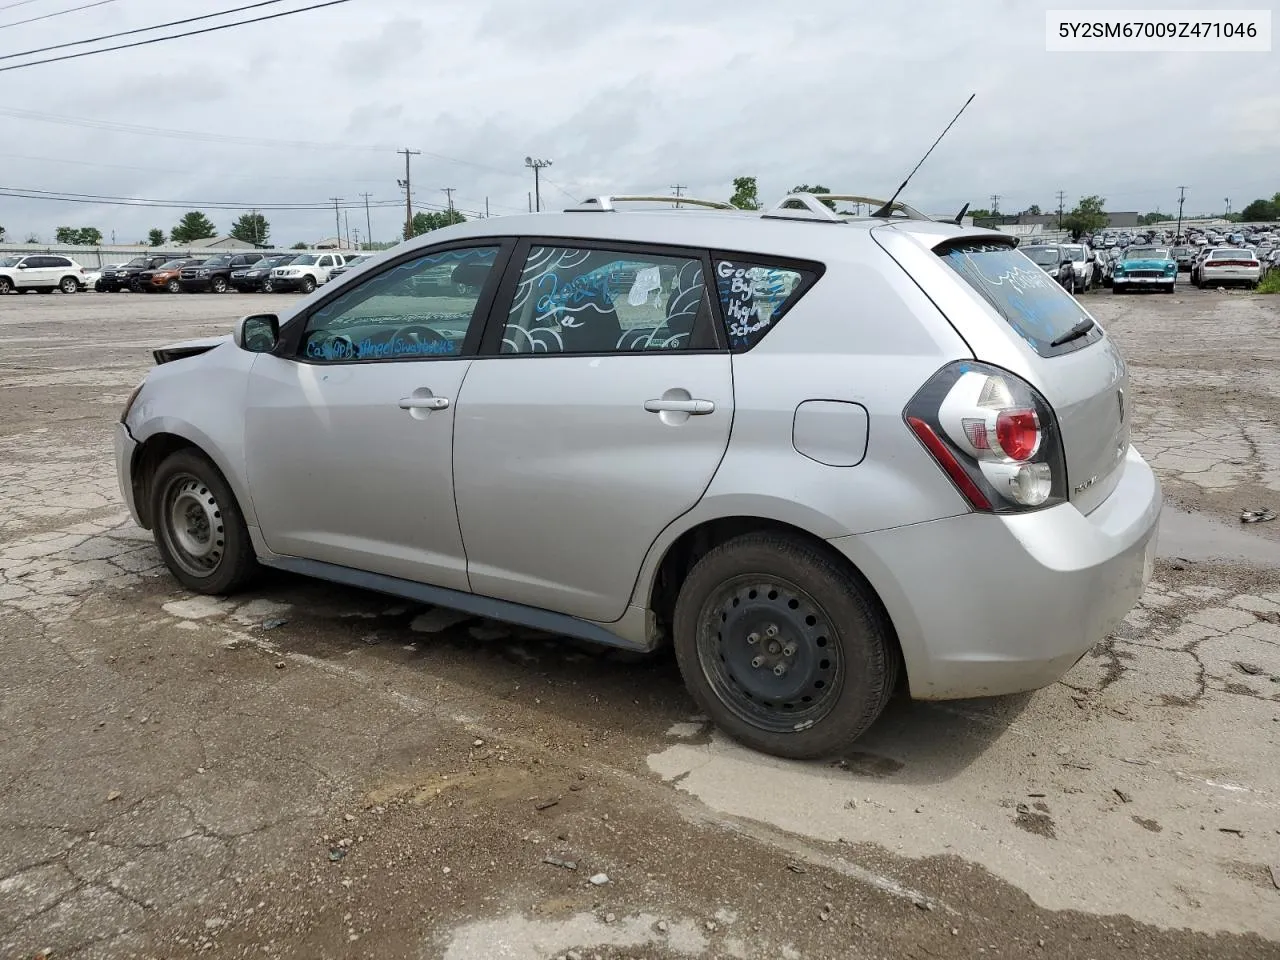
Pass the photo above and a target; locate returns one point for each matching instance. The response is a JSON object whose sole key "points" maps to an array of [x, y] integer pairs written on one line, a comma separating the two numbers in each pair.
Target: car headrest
{"points": [[471, 274]]}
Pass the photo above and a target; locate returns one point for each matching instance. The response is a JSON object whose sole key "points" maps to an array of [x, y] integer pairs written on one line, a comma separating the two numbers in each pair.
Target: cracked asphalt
{"points": [[309, 771]]}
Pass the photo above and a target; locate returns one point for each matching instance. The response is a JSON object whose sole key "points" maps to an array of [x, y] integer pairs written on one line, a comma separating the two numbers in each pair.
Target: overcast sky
{"points": [[623, 97]]}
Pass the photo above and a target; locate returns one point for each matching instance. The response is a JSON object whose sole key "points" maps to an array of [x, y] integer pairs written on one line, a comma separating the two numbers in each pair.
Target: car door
{"points": [[349, 424], [596, 415], [40, 272], [324, 266]]}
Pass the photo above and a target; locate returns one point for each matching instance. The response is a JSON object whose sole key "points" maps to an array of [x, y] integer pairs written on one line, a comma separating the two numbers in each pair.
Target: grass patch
{"points": [[1270, 283]]}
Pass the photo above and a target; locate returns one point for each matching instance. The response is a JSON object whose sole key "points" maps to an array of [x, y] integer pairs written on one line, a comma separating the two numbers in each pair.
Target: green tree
{"points": [[299, 246], [426, 222], [1033, 210], [155, 237], [1, 233], [1261, 210], [979, 214], [252, 228], [746, 195], [1087, 217], [193, 226], [78, 236], [805, 188]]}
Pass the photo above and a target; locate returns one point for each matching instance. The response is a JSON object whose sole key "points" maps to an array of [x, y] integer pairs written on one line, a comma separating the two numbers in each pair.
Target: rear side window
{"points": [[1033, 303], [755, 295]]}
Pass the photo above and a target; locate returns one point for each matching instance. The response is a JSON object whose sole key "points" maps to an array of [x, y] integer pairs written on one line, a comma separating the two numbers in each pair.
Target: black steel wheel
{"points": [[784, 647], [198, 525]]}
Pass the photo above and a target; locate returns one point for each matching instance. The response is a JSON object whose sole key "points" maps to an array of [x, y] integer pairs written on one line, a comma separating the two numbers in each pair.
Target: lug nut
{"points": [[771, 631], [757, 662], [789, 650], [780, 670], [753, 638]]}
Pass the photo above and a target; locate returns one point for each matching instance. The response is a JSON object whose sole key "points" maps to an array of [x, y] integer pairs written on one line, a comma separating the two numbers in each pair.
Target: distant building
{"points": [[1122, 218], [218, 243], [333, 243]]}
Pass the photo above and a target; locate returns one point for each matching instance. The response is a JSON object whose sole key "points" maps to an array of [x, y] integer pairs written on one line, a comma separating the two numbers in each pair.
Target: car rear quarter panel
{"points": [[201, 399]]}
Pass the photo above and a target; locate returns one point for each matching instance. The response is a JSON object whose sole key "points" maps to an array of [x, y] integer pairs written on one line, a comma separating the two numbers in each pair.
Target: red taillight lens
{"points": [[993, 435], [1018, 433]]}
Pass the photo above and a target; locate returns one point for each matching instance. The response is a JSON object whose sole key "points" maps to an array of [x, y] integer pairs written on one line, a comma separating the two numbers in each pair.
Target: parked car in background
{"points": [[1184, 255], [89, 277], [1230, 266], [257, 278], [214, 274], [351, 262], [1054, 261], [1085, 275], [125, 276], [165, 277], [40, 272], [100, 285], [306, 271], [1145, 268]]}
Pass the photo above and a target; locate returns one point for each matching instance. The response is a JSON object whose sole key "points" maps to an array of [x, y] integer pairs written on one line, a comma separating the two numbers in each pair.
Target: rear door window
{"points": [[754, 295], [1033, 303]]}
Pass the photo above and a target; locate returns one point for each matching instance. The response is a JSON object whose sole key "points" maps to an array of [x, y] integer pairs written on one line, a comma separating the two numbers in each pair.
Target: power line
{"points": [[19, 3], [129, 33], [174, 36], [28, 193], [50, 16]]}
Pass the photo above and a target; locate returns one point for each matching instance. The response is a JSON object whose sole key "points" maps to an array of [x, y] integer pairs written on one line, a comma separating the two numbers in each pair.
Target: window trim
{"points": [[289, 347], [766, 261], [491, 344]]}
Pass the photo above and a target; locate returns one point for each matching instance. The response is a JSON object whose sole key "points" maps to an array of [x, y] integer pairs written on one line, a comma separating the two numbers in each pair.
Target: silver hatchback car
{"points": [[817, 454]]}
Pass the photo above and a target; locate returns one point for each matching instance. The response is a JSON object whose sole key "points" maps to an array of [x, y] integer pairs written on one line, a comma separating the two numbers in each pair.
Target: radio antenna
{"points": [[887, 209]]}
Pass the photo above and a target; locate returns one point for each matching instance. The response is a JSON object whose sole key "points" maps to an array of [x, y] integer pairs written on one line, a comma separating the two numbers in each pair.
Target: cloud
{"points": [[633, 97]]}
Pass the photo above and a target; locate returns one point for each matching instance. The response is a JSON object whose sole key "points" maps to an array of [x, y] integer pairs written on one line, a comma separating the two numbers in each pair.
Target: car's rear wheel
{"points": [[218, 285], [783, 649], [268, 286], [198, 525], [308, 284], [6, 285], [69, 285]]}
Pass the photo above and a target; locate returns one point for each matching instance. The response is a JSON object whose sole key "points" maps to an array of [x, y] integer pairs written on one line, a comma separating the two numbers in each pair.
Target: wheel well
{"points": [[146, 460], [693, 544]]}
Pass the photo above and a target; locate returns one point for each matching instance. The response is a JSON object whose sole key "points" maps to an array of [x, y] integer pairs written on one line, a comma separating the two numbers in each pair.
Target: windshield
{"points": [[218, 261], [1045, 256], [172, 265], [10, 261], [272, 262], [1074, 252], [305, 260], [1147, 253], [1031, 302], [137, 262]]}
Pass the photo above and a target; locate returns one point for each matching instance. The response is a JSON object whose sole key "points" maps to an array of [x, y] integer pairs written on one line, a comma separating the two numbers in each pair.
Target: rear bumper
{"points": [[125, 447], [986, 605]]}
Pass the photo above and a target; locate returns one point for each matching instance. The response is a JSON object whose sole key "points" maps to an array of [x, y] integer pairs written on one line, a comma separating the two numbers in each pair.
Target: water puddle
{"points": [[1194, 536]]}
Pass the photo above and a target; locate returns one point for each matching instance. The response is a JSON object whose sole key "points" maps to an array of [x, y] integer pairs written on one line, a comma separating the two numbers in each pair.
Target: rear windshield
{"points": [[1031, 302], [1231, 255], [1045, 256]]}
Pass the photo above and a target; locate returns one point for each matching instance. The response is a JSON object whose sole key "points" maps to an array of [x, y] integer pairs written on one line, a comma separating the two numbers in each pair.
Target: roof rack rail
{"points": [[605, 204], [810, 206]]}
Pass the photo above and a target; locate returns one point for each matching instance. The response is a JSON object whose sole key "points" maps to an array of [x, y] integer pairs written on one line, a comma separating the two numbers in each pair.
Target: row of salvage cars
{"points": [[1078, 268]]}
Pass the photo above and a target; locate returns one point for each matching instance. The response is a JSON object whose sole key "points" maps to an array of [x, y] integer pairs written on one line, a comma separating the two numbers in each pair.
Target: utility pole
{"points": [[679, 188], [1182, 196], [1062, 197], [346, 220], [337, 219], [995, 204], [367, 223], [406, 185], [448, 192], [536, 166], [529, 196], [1227, 201], [486, 208]]}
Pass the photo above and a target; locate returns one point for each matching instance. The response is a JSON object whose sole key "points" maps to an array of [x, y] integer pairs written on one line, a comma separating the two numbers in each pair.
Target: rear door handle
{"points": [[424, 403], [695, 408]]}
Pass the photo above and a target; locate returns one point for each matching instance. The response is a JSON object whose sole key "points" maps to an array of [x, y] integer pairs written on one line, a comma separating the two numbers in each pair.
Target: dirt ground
{"points": [[313, 772]]}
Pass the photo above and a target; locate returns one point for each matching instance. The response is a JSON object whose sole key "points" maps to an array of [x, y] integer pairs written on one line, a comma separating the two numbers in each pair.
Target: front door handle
{"points": [[695, 408], [424, 403]]}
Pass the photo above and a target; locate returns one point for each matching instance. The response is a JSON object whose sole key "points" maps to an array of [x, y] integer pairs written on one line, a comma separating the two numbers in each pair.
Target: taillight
{"points": [[993, 434]]}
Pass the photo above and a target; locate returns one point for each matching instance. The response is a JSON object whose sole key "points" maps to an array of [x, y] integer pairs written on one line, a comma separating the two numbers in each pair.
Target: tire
{"points": [[1169, 288], [218, 285], [173, 286], [308, 284], [268, 286], [211, 551], [69, 285], [842, 651], [6, 285]]}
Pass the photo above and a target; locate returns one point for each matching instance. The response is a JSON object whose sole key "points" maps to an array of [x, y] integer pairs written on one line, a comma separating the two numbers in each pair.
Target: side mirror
{"points": [[259, 333]]}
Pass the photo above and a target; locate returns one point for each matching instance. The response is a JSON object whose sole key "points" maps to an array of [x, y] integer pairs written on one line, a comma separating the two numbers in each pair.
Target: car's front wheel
{"points": [[308, 284], [218, 285], [785, 651], [198, 525]]}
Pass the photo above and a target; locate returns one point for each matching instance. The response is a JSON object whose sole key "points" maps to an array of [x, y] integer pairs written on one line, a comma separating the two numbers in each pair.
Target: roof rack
{"points": [[810, 206], [605, 204]]}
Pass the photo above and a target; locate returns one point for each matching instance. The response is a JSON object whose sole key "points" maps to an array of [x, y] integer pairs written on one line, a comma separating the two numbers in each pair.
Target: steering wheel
{"points": [[417, 332]]}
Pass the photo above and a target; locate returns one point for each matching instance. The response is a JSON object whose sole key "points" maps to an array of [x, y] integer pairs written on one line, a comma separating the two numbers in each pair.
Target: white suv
{"points": [[306, 271], [43, 272], [813, 453]]}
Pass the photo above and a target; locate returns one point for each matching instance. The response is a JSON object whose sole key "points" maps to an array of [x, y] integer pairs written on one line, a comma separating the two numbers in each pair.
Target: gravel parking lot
{"points": [[311, 771]]}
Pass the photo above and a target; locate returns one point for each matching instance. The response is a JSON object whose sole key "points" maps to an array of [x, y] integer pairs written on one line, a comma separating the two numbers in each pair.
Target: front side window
{"points": [[420, 309], [571, 300], [754, 296]]}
